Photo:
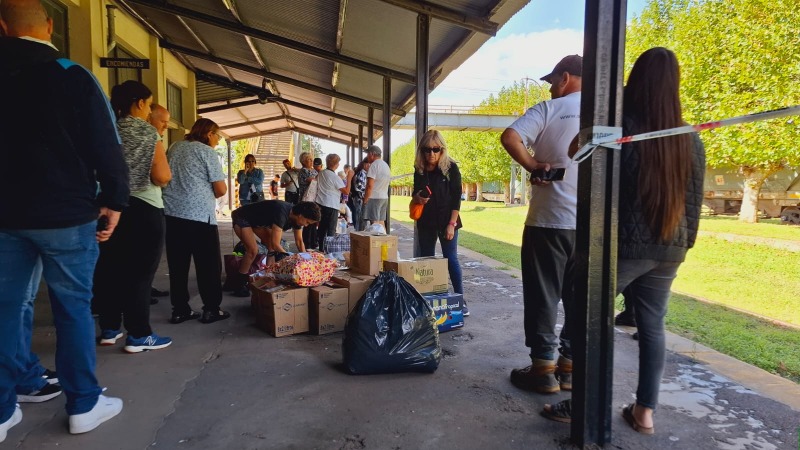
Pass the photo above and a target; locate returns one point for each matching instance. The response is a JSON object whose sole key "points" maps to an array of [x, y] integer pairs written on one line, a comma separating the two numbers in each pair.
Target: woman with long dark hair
{"points": [[437, 185], [660, 195], [129, 260], [190, 201]]}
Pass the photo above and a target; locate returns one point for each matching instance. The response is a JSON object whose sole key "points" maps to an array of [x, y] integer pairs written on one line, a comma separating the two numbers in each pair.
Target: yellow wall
{"points": [[88, 31]]}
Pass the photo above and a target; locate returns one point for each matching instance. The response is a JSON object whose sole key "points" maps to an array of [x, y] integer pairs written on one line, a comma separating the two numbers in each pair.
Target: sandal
{"points": [[560, 412], [627, 413]]}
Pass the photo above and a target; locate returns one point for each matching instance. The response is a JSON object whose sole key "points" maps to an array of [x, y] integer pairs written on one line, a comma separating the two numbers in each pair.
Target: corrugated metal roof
{"points": [[307, 52]]}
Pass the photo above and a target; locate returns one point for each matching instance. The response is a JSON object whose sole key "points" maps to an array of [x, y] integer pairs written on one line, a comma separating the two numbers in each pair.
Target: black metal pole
{"points": [[423, 74], [370, 126], [596, 243], [387, 139]]}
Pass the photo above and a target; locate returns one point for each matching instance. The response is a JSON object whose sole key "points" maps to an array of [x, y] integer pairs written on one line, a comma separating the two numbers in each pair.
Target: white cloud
{"points": [[501, 61]]}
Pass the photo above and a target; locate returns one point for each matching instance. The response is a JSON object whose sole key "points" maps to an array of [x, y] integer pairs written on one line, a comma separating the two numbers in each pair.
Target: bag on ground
{"points": [[391, 330]]}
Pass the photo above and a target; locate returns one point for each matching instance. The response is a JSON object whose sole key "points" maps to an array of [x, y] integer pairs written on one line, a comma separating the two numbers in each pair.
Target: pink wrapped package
{"points": [[303, 269]]}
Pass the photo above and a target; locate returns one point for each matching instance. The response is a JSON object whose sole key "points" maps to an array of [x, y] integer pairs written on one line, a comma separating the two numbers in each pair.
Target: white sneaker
{"points": [[106, 408], [13, 420]]}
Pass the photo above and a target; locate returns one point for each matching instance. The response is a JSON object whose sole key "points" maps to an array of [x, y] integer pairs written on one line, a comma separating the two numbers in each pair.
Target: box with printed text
{"points": [[427, 274], [327, 309]]}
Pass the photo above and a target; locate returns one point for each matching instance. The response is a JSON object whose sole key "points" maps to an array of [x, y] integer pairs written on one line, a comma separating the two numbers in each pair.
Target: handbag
{"points": [[311, 192], [255, 196], [415, 210]]}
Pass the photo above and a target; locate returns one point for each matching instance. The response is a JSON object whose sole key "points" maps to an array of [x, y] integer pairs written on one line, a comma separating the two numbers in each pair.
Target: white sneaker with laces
{"points": [[106, 408], [13, 420]]}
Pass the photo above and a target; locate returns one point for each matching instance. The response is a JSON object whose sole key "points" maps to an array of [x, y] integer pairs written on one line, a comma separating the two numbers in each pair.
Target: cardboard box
{"points": [[356, 284], [367, 250], [327, 309], [427, 275], [280, 310], [447, 307]]}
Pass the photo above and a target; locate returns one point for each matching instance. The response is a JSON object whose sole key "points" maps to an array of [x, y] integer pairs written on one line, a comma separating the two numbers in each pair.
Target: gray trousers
{"points": [[548, 266]]}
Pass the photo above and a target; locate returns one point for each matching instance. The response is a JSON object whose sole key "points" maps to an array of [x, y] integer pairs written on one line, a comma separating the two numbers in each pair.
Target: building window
{"points": [[175, 102], [60, 38], [117, 76]]}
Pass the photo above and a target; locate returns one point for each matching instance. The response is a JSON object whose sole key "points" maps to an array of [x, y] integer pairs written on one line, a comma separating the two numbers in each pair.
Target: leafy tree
{"points": [[737, 57], [403, 163], [310, 144]]}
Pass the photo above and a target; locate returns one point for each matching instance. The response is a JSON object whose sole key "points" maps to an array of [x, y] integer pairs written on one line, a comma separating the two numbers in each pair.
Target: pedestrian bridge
{"points": [[459, 118]]}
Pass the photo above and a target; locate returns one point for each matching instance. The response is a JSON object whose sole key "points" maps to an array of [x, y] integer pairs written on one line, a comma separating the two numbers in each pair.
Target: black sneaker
{"points": [[211, 317], [153, 301], [50, 376], [465, 310], [156, 293], [625, 319], [48, 392], [241, 291]]}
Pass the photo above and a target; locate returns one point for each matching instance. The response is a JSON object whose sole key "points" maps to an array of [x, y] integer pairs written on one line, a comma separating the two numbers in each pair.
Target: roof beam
{"points": [[299, 130], [274, 76], [273, 38], [252, 122], [455, 17], [228, 105], [254, 90]]}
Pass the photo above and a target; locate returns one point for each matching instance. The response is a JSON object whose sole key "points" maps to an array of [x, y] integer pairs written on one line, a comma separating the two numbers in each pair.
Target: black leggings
{"points": [[126, 267]]}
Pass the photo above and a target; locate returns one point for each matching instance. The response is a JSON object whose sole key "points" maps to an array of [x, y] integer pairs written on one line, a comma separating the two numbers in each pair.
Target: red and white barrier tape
{"points": [[600, 139]]}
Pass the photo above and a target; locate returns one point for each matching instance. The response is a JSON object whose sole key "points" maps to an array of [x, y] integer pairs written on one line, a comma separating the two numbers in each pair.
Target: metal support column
{"points": [[361, 139], [230, 174], [596, 244], [387, 138], [423, 74], [370, 126], [353, 152]]}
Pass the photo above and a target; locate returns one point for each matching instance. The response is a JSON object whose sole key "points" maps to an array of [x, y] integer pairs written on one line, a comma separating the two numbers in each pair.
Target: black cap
{"points": [[317, 161], [572, 64]]}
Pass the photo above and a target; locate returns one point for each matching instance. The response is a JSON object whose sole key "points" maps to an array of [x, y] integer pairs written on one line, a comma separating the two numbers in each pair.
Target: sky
{"points": [[527, 46]]}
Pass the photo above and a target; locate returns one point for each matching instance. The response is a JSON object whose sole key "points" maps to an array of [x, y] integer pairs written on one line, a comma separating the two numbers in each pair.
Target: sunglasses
{"points": [[431, 149]]}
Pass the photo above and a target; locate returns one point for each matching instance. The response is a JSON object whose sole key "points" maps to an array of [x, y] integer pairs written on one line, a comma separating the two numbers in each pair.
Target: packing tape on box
{"points": [[611, 137]]}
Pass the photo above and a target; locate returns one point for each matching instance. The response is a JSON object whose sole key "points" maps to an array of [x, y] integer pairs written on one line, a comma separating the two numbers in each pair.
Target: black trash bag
{"points": [[391, 329]]}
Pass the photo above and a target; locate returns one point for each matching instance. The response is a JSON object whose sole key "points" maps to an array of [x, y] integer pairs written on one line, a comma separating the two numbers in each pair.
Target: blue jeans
{"points": [[68, 257], [30, 371], [425, 245], [647, 282]]}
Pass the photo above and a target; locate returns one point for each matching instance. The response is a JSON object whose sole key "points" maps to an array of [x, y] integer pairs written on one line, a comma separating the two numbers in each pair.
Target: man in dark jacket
{"points": [[62, 120]]}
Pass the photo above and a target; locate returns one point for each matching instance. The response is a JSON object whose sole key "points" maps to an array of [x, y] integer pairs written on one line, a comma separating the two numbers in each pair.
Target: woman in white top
{"points": [[329, 194]]}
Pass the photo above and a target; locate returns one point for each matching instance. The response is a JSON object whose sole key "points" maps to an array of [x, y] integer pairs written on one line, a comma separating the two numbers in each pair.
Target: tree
{"points": [[310, 144], [737, 57], [403, 164]]}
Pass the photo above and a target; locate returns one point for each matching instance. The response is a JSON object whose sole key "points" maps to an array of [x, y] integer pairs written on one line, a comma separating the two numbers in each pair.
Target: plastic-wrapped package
{"points": [[391, 329], [303, 269]]}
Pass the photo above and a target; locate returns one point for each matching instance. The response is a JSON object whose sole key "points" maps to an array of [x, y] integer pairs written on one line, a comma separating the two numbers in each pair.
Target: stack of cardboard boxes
{"points": [[285, 310]]}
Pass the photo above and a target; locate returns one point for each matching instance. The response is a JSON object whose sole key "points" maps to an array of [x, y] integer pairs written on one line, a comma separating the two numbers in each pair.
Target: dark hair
{"points": [[652, 101], [200, 130], [309, 210], [127, 94], [250, 155]]}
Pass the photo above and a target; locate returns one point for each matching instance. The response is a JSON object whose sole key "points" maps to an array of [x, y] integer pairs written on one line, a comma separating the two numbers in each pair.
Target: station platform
{"points": [[229, 385]]}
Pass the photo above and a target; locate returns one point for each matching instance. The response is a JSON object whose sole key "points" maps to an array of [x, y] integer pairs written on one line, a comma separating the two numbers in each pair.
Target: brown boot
{"points": [[564, 373], [538, 377]]}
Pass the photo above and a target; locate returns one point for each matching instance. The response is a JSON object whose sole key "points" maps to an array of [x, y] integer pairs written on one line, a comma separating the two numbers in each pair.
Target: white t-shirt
{"points": [[382, 175], [328, 189], [291, 177], [549, 128]]}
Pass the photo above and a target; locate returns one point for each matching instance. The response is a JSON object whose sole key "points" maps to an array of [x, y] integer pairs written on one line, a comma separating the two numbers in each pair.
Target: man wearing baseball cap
{"points": [[548, 241], [376, 195]]}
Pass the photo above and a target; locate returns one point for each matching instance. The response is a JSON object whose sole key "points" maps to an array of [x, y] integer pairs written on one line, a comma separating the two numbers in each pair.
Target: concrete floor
{"points": [[229, 385]]}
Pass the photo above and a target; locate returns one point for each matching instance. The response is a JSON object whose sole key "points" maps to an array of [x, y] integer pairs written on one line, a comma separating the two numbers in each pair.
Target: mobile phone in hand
{"points": [[549, 175], [425, 193], [102, 223]]}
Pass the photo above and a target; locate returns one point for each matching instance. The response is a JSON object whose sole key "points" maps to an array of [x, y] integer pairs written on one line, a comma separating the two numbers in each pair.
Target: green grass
{"points": [[746, 338], [752, 277], [769, 228], [755, 278]]}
